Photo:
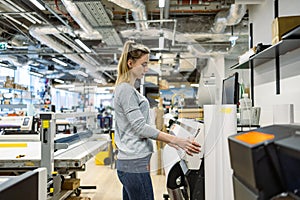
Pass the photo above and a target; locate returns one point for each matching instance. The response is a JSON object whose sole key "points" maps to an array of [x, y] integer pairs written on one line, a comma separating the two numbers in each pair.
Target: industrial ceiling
{"points": [[182, 35]]}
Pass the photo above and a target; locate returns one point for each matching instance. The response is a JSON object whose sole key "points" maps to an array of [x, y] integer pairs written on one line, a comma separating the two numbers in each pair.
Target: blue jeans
{"points": [[136, 186]]}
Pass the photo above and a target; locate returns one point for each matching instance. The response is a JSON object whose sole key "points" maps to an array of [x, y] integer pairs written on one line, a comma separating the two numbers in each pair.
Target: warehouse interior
{"points": [[59, 65]]}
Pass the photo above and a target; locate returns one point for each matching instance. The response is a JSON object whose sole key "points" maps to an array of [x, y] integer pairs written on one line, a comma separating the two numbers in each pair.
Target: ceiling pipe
{"points": [[15, 61], [48, 41], [81, 20], [249, 1], [230, 17], [167, 9], [82, 53], [138, 9], [13, 7], [162, 20]]}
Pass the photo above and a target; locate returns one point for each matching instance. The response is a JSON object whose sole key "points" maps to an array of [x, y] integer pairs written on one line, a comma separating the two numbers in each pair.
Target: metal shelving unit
{"points": [[12, 106], [290, 41]]}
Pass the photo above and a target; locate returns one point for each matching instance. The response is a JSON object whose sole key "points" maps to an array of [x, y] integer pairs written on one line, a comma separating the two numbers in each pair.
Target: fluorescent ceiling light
{"points": [[65, 86], [80, 43], [194, 85], [3, 65], [59, 62], [36, 74], [97, 80], [38, 4], [82, 73], [58, 80]]}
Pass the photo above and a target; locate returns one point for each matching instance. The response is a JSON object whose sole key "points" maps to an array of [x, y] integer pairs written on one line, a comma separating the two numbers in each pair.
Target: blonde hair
{"points": [[131, 50]]}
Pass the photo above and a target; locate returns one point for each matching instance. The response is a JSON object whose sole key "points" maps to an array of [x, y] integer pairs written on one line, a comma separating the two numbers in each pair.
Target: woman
{"points": [[134, 134]]}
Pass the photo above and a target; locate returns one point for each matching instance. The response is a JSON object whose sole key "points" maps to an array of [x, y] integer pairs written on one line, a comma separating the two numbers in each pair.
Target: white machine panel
{"points": [[23, 123]]}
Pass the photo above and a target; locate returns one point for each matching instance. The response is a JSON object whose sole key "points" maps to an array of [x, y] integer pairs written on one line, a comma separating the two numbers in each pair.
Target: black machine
{"points": [[266, 163]]}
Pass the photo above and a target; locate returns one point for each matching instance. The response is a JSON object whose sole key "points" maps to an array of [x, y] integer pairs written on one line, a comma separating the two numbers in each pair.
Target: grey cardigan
{"points": [[133, 133]]}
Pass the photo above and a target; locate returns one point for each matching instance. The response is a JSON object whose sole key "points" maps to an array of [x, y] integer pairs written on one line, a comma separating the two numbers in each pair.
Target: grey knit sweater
{"points": [[133, 133]]}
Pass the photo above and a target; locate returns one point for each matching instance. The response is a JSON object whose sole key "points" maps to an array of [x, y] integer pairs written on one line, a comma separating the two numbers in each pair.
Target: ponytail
{"points": [[131, 50]]}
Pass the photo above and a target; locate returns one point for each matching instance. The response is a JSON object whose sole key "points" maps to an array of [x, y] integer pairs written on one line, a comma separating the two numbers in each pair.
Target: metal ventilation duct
{"points": [[230, 17], [36, 31], [249, 1], [79, 18], [138, 11]]}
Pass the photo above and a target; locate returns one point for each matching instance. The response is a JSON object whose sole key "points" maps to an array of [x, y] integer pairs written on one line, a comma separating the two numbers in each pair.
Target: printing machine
{"points": [[28, 143], [184, 173], [266, 163]]}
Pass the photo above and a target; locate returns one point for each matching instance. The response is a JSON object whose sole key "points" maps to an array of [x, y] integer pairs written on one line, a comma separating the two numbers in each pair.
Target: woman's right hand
{"points": [[190, 146]]}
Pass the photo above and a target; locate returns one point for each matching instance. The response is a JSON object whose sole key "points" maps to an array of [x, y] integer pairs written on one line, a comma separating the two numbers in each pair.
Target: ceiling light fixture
{"points": [[82, 73], [38, 4], [194, 85], [59, 81], [3, 65], [36, 74], [59, 62], [80, 43], [97, 80], [161, 3], [64, 86]]}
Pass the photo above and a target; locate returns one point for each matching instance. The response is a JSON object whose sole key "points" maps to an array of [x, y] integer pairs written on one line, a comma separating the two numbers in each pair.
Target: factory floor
{"points": [[108, 185]]}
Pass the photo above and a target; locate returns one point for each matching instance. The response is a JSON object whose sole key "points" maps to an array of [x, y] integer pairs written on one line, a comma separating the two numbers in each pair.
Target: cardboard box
{"points": [[70, 184], [163, 84], [282, 25], [190, 113]]}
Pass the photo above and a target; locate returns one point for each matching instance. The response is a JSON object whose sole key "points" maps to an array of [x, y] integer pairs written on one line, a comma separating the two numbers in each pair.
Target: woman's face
{"points": [[139, 68]]}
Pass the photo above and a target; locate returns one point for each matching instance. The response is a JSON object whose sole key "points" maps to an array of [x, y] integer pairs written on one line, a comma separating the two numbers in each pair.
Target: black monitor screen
{"points": [[230, 90]]}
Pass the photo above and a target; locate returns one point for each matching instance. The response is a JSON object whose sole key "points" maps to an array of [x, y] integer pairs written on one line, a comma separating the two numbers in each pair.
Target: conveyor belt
{"points": [[74, 137], [76, 156], [30, 156]]}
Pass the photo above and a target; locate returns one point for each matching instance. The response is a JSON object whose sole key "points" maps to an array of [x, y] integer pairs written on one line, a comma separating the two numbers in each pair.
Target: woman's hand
{"points": [[190, 146]]}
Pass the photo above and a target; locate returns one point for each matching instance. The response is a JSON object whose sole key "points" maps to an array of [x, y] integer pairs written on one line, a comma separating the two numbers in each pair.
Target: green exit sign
{"points": [[3, 45]]}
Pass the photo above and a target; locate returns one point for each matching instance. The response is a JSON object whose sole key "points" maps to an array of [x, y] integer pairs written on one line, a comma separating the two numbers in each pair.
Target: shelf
{"points": [[244, 65], [13, 89], [12, 106], [269, 54], [293, 34]]}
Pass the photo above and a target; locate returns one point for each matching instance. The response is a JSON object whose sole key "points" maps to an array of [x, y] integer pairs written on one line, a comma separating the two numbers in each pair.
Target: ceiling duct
{"points": [[36, 31], [81, 21], [249, 1], [15, 60], [138, 11], [230, 17]]}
